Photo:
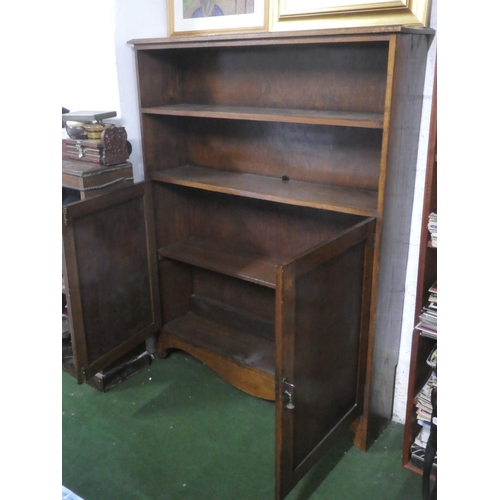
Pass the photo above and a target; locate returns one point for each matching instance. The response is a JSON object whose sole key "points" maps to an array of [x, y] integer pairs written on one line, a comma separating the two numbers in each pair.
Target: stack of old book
{"points": [[428, 317], [424, 415], [94, 156], [432, 225], [90, 140]]}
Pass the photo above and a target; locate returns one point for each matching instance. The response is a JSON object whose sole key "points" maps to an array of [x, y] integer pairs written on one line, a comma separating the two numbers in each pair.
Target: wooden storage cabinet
{"points": [[226, 255], [271, 162], [274, 298]]}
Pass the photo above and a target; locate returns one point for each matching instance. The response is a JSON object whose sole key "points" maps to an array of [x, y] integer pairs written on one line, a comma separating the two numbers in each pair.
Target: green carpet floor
{"points": [[178, 431]]}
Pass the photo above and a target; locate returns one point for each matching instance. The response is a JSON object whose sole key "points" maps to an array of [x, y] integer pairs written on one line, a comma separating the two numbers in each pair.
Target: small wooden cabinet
{"points": [[270, 237]]}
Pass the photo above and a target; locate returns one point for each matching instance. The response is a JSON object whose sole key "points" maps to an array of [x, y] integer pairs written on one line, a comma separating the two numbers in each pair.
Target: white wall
{"points": [[87, 56], [98, 63], [104, 78], [135, 19]]}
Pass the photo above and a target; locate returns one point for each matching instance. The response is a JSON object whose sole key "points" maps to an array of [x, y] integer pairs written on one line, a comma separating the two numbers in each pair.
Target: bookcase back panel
{"points": [[340, 77], [235, 294], [159, 78], [342, 156], [331, 155], [176, 286], [212, 295], [240, 223]]}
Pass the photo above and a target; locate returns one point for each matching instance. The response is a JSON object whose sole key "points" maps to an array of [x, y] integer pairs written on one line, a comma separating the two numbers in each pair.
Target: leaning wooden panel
{"points": [[111, 276], [321, 332]]}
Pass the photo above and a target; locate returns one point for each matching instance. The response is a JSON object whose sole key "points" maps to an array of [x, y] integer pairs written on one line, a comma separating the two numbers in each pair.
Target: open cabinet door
{"points": [[111, 276], [322, 304]]}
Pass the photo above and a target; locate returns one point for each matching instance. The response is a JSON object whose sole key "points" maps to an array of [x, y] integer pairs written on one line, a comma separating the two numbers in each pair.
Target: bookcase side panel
{"points": [[159, 78], [398, 178], [163, 144]]}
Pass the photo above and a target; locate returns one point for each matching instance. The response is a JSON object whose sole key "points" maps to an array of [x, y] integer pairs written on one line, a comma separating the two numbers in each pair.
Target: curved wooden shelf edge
{"points": [[246, 378]]}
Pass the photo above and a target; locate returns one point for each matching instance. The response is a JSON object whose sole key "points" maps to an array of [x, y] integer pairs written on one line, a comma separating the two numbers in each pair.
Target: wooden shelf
{"points": [[307, 116], [247, 266], [306, 194], [246, 349], [246, 361]]}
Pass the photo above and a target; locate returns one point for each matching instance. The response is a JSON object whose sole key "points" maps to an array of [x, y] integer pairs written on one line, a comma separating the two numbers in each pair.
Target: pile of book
{"points": [[424, 415], [432, 225], [428, 317]]}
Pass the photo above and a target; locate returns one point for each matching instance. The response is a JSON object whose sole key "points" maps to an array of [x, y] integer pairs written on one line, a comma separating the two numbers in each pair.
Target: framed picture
{"points": [[324, 14], [194, 17]]}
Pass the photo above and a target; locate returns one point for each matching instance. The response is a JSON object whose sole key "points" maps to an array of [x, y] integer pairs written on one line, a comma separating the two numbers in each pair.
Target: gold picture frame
{"points": [[197, 17], [324, 14]]}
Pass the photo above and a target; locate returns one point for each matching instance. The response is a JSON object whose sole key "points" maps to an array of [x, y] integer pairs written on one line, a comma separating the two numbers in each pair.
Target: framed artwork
{"points": [[324, 14], [194, 17]]}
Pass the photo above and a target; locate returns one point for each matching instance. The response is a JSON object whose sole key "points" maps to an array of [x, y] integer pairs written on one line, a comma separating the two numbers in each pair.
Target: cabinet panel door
{"points": [[111, 276], [322, 325]]}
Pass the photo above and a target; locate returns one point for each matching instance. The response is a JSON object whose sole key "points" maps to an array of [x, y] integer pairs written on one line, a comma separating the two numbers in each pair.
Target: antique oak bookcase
{"points": [[269, 238]]}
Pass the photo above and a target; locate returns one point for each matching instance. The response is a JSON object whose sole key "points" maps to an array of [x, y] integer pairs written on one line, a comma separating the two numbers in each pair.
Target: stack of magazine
{"points": [[433, 228], [428, 318], [424, 415]]}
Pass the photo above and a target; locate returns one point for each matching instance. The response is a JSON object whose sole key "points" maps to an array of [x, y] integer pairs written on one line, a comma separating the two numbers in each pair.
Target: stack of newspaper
{"points": [[424, 407], [433, 228], [428, 316], [424, 415]]}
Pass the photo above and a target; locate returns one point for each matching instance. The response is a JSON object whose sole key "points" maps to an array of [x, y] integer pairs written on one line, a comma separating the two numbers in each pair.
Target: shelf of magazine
{"points": [[424, 415], [428, 317]]}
